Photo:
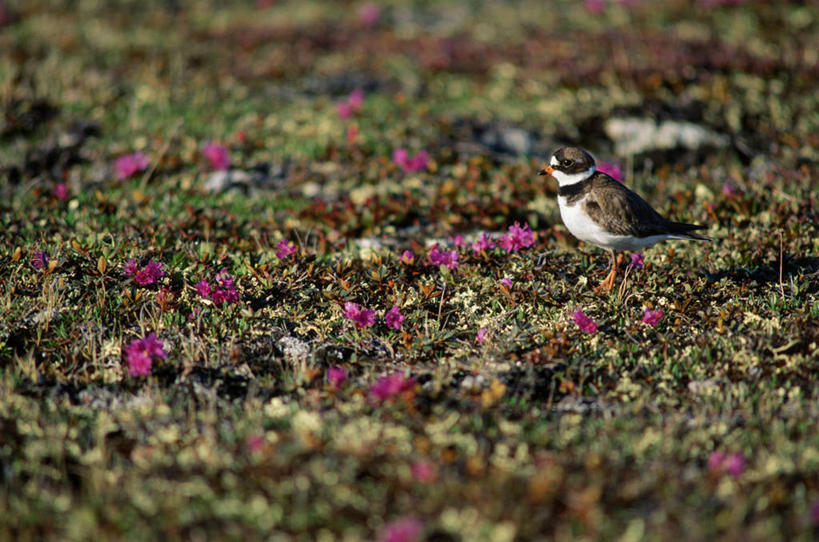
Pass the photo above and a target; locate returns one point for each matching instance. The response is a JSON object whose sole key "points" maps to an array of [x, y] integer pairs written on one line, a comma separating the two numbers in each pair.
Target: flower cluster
{"points": [[140, 354], [484, 242], [719, 463], [285, 248], [402, 530], [586, 323], [128, 165], [149, 274], [352, 105], [612, 170], [222, 292], [336, 376], [410, 165], [363, 317], [636, 260], [61, 191], [518, 237], [394, 318], [651, 317], [39, 260], [217, 156], [447, 258], [390, 386]]}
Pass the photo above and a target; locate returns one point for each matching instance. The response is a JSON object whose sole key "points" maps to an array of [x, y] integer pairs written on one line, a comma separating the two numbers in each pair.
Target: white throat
{"points": [[564, 179]]}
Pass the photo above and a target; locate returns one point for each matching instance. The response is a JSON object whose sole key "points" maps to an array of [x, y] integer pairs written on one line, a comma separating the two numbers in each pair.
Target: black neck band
{"points": [[574, 189]]}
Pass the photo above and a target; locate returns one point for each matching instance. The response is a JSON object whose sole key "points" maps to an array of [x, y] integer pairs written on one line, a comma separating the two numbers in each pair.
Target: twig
{"points": [[781, 288]]}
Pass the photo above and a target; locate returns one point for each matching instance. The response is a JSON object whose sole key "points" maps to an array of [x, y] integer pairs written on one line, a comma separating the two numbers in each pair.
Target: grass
{"points": [[538, 431]]}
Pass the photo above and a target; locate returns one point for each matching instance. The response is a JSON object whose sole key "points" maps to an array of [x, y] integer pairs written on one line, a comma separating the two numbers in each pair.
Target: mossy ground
{"points": [[541, 431]]}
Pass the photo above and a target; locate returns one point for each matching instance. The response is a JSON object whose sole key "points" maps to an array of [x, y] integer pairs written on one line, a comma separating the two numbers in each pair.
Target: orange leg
{"points": [[608, 282]]}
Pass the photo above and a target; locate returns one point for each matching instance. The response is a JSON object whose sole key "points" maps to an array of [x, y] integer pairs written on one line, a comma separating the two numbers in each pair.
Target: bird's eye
{"points": [[567, 162]]}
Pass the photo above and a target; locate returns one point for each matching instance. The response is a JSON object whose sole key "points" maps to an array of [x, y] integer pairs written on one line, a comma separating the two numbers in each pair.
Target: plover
{"points": [[602, 212]]}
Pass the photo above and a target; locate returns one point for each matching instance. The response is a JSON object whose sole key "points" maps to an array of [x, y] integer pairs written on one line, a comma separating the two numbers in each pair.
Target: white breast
{"points": [[588, 231]]}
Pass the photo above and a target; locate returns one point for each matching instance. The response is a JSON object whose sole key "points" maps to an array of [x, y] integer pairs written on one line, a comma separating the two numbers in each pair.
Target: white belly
{"points": [[588, 231]]}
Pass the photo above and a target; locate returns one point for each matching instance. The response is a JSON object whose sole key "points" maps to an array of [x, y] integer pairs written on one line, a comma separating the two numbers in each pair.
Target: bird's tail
{"points": [[682, 230]]}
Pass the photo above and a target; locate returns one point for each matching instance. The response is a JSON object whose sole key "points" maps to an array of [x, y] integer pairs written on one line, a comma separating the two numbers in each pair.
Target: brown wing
{"points": [[621, 211]]}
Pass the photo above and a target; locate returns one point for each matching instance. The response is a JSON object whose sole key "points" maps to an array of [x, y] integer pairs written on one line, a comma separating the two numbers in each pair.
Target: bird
{"points": [[603, 212]]}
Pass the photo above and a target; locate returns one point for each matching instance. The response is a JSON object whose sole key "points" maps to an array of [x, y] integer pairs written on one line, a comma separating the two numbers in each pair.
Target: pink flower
{"points": [[390, 386], [595, 7], [715, 462], [369, 13], [636, 260], [344, 110], [254, 443], [336, 376], [224, 290], [584, 322], [519, 237], [448, 259], [729, 189], [140, 354], [422, 471], [651, 317], [457, 240], [285, 248], [409, 165], [148, 275], [361, 316], [408, 257], [128, 165], [719, 463], [394, 318], [61, 191], [351, 105], [735, 464], [484, 242], [612, 170], [39, 260], [203, 289], [506, 281], [481, 335], [402, 530], [217, 155]]}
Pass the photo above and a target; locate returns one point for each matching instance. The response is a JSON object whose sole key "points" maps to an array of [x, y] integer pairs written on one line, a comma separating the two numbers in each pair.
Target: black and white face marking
{"points": [[570, 165]]}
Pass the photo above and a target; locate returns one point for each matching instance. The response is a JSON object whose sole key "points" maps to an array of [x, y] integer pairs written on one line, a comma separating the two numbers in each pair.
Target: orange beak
{"points": [[546, 171]]}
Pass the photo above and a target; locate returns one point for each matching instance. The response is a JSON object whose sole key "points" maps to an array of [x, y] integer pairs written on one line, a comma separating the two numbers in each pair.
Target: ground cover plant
{"points": [[285, 270]]}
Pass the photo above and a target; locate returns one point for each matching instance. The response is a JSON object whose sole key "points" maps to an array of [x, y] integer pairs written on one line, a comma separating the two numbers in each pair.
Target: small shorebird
{"points": [[601, 211]]}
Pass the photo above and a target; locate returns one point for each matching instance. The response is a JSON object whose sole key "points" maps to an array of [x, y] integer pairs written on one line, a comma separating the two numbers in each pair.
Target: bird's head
{"points": [[569, 165]]}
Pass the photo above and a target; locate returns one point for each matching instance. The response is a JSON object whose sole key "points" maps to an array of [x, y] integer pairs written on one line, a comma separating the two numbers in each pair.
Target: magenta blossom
{"points": [[394, 318], [352, 134], [410, 165], [733, 464], [285, 248], [448, 259], [336, 376], [254, 443], [61, 192], [484, 242], [224, 291], [390, 386], [408, 257], [140, 354], [149, 274], [636, 260], [422, 471], [351, 105], [518, 237], [457, 240], [362, 317], [595, 7], [651, 317], [728, 189], [612, 170], [128, 165], [584, 322], [369, 13], [203, 289], [480, 337], [217, 155], [39, 260], [402, 530], [506, 281]]}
